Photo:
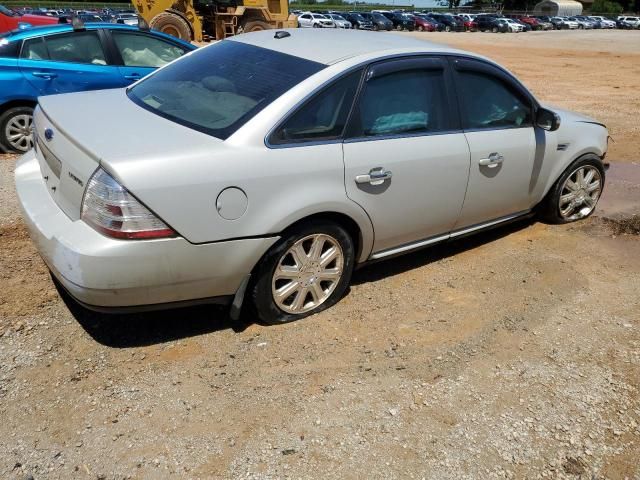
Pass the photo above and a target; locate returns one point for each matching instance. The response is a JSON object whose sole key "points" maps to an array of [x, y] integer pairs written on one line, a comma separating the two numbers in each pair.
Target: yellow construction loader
{"points": [[204, 20]]}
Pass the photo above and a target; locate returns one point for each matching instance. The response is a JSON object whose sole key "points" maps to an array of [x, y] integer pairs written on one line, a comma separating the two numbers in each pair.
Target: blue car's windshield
{"points": [[219, 88]]}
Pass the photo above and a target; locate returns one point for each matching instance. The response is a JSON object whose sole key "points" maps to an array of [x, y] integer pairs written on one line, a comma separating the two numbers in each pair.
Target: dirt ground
{"points": [[512, 354]]}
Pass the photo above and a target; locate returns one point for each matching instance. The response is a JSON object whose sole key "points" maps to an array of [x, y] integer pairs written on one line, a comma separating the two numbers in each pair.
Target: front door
{"points": [[406, 162], [496, 115]]}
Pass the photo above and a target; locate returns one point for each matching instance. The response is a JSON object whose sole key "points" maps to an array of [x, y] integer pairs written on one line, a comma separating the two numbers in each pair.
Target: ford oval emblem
{"points": [[48, 134]]}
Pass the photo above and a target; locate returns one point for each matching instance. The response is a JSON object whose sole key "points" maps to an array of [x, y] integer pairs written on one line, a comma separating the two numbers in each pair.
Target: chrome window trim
{"points": [[366, 64]]}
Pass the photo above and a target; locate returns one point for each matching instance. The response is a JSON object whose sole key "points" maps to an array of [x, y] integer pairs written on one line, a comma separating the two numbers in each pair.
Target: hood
{"points": [[569, 116], [38, 19]]}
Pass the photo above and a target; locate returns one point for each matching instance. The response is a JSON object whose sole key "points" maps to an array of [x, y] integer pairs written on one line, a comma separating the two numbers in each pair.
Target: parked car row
{"points": [[448, 22], [11, 19]]}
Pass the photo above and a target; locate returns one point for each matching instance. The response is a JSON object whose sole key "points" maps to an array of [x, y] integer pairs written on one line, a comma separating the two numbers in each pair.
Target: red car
{"points": [[424, 25], [533, 22], [469, 25], [10, 20]]}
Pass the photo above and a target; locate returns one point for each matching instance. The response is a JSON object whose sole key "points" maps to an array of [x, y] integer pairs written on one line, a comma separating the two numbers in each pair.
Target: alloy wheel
{"points": [[580, 193], [307, 274], [19, 132]]}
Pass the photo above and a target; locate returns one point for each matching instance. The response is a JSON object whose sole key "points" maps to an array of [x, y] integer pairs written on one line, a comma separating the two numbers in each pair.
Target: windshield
{"points": [[7, 12], [219, 88], [358, 17]]}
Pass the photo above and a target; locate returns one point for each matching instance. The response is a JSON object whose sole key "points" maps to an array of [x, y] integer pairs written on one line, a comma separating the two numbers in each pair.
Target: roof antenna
{"points": [[281, 34], [77, 24], [143, 25]]}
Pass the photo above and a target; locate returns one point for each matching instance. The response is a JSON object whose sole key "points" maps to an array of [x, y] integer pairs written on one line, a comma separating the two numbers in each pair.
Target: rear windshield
{"points": [[219, 88]]}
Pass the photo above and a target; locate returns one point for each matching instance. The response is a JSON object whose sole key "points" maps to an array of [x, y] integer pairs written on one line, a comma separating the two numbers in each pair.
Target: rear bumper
{"points": [[104, 273]]}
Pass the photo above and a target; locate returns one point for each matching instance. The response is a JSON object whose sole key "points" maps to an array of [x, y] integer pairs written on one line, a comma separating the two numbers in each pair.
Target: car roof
{"points": [[37, 31], [332, 46]]}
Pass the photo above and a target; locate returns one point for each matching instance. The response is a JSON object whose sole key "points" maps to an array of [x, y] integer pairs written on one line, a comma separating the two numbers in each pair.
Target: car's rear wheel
{"points": [[16, 129], [575, 195], [307, 271]]}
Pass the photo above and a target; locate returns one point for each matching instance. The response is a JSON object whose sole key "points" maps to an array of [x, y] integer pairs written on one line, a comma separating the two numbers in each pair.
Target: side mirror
{"points": [[547, 120]]}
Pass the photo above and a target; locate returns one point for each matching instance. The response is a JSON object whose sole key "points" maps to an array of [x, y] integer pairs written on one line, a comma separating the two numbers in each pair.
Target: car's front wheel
{"points": [[307, 271], [575, 195], [16, 129]]}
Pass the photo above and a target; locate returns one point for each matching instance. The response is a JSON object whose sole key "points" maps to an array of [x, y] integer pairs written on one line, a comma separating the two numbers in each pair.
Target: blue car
{"points": [[62, 58]]}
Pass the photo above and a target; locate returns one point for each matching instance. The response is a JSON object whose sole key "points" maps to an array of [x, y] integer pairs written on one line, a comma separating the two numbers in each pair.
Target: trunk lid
{"points": [[76, 133]]}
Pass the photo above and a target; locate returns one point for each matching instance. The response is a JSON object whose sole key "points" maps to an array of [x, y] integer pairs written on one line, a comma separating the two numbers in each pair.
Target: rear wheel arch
{"points": [[344, 220]]}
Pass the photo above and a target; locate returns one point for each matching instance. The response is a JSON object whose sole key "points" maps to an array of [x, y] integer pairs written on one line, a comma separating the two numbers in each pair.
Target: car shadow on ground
{"points": [[378, 270], [150, 328]]}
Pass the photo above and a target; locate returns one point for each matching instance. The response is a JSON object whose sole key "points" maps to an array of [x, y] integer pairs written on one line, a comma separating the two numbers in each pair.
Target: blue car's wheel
{"points": [[16, 126]]}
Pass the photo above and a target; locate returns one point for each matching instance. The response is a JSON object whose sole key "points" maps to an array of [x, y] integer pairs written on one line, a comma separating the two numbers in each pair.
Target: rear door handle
{"points": [[45, 75], [133, 76], [492, 161], [376, 176]]}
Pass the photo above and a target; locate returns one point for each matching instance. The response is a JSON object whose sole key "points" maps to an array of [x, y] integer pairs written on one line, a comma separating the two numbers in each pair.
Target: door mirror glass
{"points": [[547, 120]]}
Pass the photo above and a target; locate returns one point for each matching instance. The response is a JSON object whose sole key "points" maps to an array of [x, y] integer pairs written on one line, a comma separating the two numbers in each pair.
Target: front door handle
{"points": [[45, 75], [492, 161], [133, 76], [376, 176]]}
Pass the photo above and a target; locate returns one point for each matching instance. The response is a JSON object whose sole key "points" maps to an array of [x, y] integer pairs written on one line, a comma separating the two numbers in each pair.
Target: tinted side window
{"points": [[77, 47], [410, 101], [487, 102], [144, 50], [323, 117], [34, 49]]}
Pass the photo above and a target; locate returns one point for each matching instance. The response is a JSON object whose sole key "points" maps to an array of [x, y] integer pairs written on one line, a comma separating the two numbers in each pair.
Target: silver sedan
{"points": [[259, 171]]}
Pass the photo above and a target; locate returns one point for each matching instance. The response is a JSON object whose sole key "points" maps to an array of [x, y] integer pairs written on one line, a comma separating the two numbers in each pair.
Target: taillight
{"points": [[110, 209]]}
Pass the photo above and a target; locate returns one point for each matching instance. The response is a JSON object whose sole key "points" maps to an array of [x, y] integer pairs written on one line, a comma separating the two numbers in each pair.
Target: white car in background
{"points": [[514, 26], [582, 24], [315, 20], [633, 22], [604, 22], [339, 21], [568, 24]]}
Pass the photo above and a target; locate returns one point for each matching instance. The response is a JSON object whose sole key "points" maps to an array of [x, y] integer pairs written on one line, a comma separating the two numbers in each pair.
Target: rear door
{"points": [[497, 118], [67, 62], [406, 160], [138, 53]]}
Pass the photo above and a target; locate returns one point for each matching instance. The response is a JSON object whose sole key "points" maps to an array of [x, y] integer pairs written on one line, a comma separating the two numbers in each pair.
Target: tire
{"points": [[266, 281], [550, 207], [257, 26], [16, 121], [494, 30], [447, 28], [421, 28], [171, 24]]}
